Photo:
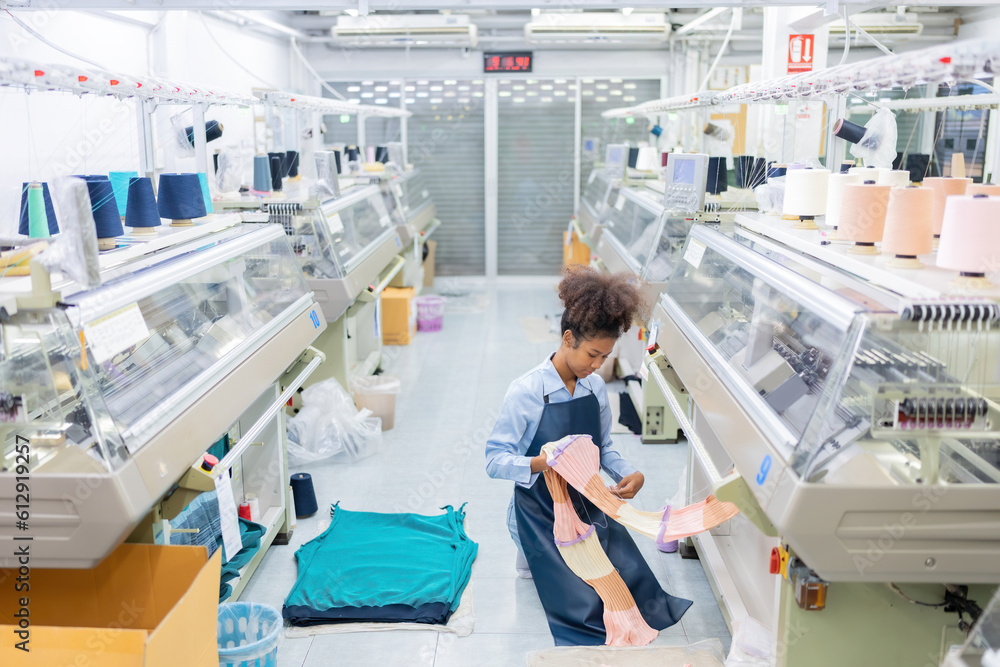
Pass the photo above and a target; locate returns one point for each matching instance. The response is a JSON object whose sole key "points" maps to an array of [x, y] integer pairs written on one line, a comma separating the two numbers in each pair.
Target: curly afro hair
{"points": [[598, 305]]}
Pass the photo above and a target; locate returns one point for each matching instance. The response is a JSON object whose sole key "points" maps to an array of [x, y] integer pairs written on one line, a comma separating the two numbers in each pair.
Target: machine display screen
{"points": [[684, 172]]}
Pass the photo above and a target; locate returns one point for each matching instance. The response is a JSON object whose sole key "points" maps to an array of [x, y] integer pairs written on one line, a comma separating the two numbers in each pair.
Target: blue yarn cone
{"points": [[180, 197], [50, 212], [102, 202], [261, 174], [213, 130], [275, 171], [141, 211], [120, 181], [292, 157]]}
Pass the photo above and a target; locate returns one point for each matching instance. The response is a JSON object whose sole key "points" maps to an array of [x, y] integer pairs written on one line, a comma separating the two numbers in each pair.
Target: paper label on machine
{"points": [[228, 517], [695, 251], [115, 332]]}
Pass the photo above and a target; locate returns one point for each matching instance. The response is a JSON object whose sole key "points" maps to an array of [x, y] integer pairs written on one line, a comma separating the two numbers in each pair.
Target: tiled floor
{"points": [[453, 383]]}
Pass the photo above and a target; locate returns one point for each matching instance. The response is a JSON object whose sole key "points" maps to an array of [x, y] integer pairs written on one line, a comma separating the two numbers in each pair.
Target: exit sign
{"points": [[519, 61]]}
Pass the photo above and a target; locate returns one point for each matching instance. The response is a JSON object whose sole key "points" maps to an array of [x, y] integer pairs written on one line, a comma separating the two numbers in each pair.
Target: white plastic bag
{"points": [[878, 146], [751, 645], [328, 425], [770, 196]]}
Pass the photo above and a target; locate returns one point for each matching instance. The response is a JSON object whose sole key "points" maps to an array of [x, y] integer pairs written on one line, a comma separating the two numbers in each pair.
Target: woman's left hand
{"points": [[630, 485]]}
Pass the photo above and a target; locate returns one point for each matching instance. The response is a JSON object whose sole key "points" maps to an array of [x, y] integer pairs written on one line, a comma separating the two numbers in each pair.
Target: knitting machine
{"points": [[598, 194], [108, 396], [348, 248], [857, 426], [411, 207], [634, 223]]}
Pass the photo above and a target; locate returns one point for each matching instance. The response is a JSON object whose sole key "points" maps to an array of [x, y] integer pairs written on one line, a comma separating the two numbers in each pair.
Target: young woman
{"points": [[559, 397]]}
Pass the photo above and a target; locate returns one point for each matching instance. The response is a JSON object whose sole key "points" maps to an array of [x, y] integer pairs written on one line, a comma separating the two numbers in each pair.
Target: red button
{"points": [[775, 566]]}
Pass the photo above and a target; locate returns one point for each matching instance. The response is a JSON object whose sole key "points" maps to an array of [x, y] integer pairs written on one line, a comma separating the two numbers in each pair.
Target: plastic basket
{"points": [[248, 634], [430, 312]]}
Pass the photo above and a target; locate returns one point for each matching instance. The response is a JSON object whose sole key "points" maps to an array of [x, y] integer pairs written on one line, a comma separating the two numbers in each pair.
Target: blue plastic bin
{"points": [[248, 634]]}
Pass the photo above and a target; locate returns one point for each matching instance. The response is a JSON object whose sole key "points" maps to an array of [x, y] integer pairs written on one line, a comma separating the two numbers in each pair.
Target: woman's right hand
{"points": [[539, 463]]}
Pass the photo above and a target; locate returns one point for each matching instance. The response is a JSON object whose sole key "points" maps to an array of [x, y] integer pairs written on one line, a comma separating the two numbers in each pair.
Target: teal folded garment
{"points": [[368, 559]]}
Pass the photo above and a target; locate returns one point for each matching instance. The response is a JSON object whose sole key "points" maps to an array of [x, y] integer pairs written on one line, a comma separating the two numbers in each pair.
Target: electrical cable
{"points": [[309, 68], [722, 49], [847, 40], [879, 45], [42, 39], [234, 60], [917, 602]]}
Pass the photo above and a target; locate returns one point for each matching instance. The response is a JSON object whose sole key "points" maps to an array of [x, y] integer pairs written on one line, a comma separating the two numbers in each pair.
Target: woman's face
{"points": [[588, 356]]}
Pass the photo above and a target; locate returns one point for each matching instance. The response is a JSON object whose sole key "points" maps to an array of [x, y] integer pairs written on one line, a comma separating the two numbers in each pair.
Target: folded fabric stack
{"points": [[369, 566]]}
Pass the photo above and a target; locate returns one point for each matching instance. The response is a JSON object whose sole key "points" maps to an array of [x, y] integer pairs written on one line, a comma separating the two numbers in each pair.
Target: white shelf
{"points": [[929, 282]]}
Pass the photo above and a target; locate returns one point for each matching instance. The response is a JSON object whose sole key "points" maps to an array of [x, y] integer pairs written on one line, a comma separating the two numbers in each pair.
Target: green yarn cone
{"points": [[38, 223]]}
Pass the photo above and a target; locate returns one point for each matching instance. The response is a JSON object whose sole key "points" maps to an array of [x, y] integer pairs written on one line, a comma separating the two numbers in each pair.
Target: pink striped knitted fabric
{"points": [[576, 460]]}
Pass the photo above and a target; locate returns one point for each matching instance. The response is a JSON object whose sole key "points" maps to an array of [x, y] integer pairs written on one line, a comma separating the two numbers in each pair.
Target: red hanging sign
{"points": [[800, 53]]}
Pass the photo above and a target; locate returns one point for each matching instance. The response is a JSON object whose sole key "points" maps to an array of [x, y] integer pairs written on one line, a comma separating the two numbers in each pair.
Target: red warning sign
{"points": [[800, 53]]}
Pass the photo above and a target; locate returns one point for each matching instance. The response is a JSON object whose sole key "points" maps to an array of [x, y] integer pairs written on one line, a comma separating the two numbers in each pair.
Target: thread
{"points": [[917, 164], [107, 221], [862, 215], [633, 158], [944, 187], [663, 158], [750, 171], [970, 237], [304, 495], [718, 176], [244, 511], [337, 160], [292, 157], [38, 224], [893, 177], [180, 198], [353, 154], [848, 131], [261, 175], [281, 165], [213, 130], [835, 195], [775, 170], [846, 166], [381, 154], [909, 225], [119, 182], [991, 189], [958, 165], [805, 194], [24, 223], [142, 213], [254, 503], [868, 173], [275, 172], [205, 192], [369, 154]]}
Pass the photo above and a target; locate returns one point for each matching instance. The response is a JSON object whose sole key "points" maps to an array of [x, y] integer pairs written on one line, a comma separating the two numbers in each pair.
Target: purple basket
{"points": [[430, 312]]}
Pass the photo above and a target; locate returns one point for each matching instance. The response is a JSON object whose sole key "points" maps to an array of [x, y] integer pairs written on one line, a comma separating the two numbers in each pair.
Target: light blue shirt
{"points": [[521, 413]]}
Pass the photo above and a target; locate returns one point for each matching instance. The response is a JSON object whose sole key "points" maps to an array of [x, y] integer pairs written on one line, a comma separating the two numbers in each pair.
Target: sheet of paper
{"points": [[115, 332], [228, 516], [695, 251]]}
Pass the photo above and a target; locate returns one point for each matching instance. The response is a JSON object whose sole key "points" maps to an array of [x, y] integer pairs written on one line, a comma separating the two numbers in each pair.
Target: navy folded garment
{"points": [[369, 566]]}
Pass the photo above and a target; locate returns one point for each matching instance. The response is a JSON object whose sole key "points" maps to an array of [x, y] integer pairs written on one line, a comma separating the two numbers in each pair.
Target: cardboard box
{"points": [[576, 252], [143, 606], [399, 315], [429, 263]]}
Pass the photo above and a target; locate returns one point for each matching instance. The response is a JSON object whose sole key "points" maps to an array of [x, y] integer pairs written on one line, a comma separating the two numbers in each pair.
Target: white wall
{"points": [[352, 64], [47, 134]]}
